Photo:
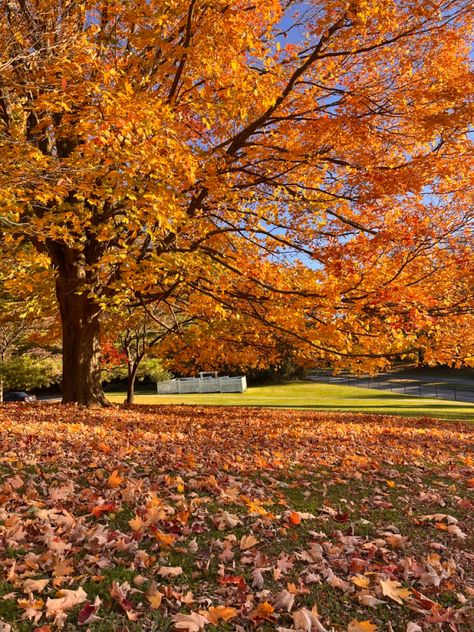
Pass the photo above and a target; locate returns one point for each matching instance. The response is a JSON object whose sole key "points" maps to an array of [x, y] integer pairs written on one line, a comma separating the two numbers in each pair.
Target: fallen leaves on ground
{"points": [[194, 518]]}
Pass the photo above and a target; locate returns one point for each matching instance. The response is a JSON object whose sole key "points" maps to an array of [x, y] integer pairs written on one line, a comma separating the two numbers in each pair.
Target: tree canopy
{"points": [[293, 169]]}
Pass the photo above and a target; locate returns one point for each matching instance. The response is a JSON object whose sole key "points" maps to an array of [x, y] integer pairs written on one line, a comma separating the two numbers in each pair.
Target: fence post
{"points": [[455, 396]]}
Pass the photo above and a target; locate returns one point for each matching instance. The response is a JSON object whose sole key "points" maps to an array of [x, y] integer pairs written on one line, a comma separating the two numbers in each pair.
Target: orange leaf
{"points": [[361, 626], [164, 538], [136, 523], [103, 447], [98, 510], [262, 611], [220, 612], [114, 480]]}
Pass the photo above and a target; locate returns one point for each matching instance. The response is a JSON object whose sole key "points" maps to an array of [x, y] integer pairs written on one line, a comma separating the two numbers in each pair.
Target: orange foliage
{"points": [[188, 151]]}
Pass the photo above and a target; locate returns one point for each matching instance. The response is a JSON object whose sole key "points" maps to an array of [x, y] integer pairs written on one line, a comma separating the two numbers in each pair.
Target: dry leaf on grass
{"points": [[218, 613], [189, 622], [170, 571], [247, 542], [394, 590]]}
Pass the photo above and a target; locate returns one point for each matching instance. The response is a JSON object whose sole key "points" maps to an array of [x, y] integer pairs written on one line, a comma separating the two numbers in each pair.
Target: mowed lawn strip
{"points": [[190, 518], [323, 397]]}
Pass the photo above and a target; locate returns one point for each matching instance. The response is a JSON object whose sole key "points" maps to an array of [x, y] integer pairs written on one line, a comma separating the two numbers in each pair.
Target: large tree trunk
{"points": [[80, 322]]}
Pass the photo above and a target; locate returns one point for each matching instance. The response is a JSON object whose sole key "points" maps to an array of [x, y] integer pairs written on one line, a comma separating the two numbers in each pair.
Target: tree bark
{"points": [[421, 357], [132, 375], [80, 321]]}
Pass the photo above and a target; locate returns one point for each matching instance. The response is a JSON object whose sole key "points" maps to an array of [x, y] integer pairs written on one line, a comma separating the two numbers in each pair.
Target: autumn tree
{"points": [[136, 334], [26, 360], [306, 165]]}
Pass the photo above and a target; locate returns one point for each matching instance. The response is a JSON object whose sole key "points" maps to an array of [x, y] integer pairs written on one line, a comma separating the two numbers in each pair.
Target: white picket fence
{"points": [[224, 384]]}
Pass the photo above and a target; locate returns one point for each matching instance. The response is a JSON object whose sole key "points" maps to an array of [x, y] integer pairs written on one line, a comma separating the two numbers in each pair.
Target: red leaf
{"points": [[98, 510]]}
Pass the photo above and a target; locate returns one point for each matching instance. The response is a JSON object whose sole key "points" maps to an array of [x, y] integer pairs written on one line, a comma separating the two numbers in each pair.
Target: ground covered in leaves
{"points": [[187, 518]]}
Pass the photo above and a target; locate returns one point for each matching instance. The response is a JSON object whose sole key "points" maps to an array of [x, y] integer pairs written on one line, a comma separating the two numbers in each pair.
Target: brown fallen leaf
{"points": [[65, 600], [190, 622], [284, 600], [170, 571], [35, 585], [247, 542], [369, 600], [308, 620], [32, 608], [438, 517]]}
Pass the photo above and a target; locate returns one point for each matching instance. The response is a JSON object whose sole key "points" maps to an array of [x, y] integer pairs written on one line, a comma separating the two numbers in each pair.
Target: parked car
{"points": [[19, 396]]}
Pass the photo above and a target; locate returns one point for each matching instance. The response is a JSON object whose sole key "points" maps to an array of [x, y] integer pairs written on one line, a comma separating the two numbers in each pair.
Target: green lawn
{"points": [[330, 397]]}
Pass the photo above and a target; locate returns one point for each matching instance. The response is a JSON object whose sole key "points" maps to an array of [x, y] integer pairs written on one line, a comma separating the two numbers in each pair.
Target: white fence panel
{"points": [[188, 385], [210, 386], [169, 387], [223, 384], [234, 385]]}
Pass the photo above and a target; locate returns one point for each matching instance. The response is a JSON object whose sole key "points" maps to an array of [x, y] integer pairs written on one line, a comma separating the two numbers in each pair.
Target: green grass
{"points": [[323, 397]]}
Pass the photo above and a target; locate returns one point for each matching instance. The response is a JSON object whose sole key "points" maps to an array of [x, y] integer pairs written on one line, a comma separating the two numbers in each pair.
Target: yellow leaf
{"points": [[360, 581], [154, 596], [394, 590], [136, 523]]}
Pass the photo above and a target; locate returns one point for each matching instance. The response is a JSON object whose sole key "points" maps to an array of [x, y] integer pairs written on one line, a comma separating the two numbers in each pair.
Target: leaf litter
{"points": [[193, 518]]}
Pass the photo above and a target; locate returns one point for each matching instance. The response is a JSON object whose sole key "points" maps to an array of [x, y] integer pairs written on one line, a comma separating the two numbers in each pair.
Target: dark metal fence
{"points": [[409, 387]]}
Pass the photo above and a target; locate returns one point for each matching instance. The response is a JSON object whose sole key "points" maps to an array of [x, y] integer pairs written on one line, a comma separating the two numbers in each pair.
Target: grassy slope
{"points": [[327, 397]]}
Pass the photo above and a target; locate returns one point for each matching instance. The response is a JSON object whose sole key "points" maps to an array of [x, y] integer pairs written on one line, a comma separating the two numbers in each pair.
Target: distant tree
{"points": [[134, 338], [23, 363], [30, 351], [28, 372]]}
